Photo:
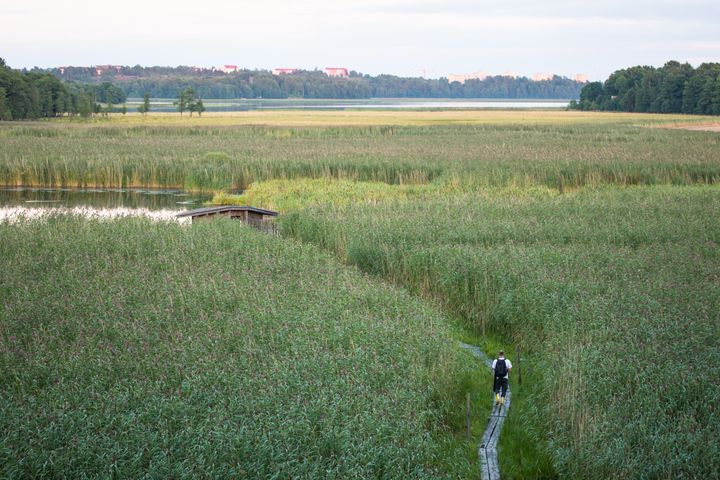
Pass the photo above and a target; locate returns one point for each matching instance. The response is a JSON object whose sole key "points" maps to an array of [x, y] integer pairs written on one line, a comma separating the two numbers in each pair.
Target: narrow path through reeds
{"points": [[487, 451]]}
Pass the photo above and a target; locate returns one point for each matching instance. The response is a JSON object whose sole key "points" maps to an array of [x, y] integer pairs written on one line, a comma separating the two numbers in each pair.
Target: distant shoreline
{"points": [[242, 104]]}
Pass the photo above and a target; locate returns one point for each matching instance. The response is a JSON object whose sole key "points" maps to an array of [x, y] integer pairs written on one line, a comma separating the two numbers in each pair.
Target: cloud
{"points": [[394, 36]]}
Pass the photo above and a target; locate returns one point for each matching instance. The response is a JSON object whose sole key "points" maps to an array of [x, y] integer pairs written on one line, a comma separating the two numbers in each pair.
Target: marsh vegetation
{"points": [[554, 149], [131, 348], [587, 240]]}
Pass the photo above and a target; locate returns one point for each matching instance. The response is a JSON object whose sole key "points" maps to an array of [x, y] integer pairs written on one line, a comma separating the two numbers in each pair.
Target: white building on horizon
{"points": [[340, 72], [539, 77], [228, 68], [464, 77], [284, 71], [581, 77]]}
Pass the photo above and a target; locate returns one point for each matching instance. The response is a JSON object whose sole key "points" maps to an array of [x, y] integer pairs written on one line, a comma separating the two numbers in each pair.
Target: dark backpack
{"points": [[500, 368]]}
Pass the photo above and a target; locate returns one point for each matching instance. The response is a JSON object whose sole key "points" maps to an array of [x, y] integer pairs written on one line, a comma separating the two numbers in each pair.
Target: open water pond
{"points": [[19, 204], [100, 198]]}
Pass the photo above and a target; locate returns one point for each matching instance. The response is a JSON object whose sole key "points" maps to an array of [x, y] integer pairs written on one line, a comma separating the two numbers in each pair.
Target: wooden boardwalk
{"points": [[487, 451]]}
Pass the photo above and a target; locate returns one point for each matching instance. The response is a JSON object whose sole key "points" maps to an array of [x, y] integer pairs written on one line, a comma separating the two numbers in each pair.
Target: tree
{"points": [[646, 91], [715, 98], [145, 107], [672, 88], [199, 107], [109, 107], [186, 101], [691, 94], [590, 96], [5, 113], [40, 94], [189, 101], [109, 93], [85, 105], [181, 103], [707, 75]]}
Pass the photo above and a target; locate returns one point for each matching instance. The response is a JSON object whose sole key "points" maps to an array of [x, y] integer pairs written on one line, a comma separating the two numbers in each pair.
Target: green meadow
{"points": [[587, 241]]}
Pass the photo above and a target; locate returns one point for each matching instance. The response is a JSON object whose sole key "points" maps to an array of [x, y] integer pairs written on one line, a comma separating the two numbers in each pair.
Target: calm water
{"points": [[130, 198], [231, 105]]}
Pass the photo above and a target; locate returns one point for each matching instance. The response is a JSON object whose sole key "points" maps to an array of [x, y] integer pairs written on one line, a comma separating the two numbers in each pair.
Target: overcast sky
{"points": [[406, 37]]}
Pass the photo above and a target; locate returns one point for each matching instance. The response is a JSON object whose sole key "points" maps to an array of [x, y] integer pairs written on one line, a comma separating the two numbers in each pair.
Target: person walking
{"points": [[501, 367]]}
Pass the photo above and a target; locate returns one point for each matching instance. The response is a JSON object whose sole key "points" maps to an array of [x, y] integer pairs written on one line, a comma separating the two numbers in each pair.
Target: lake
{"points": [[233, 105]]}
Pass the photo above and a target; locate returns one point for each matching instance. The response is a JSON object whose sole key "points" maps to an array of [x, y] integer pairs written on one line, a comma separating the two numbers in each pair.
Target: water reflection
{"points": [[14, 215], [101, 198]]}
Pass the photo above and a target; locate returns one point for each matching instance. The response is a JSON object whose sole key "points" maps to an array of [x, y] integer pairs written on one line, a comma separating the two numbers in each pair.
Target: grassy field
{"points": [[130, 348], [587, 240], [567, 149]]}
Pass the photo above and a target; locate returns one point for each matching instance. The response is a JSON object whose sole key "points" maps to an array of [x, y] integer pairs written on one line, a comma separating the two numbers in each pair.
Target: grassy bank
{"points": [[486, 149], [130, 348]]}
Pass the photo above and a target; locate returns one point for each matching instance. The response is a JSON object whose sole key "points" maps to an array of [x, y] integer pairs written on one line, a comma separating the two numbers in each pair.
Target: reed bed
{"points": [[613, 295], [569, 154], [132, 348], [288, 195], [588, 240]]}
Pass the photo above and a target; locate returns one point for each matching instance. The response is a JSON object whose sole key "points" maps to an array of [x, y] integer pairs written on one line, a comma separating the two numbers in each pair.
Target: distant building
{"points": [[539, 77], [581, 77], [464, 77], [228, 68], [337, 72], [100, 69], [284, 71], [62, 70]]}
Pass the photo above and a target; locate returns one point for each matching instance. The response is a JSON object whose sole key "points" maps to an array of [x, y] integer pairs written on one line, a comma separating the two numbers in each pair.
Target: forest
{"points": [[169, 82], [673, 88], [29, 95]]}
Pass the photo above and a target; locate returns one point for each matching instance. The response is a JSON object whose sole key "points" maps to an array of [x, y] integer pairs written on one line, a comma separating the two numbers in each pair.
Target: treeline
{"points": [[673, 88], [29, 95], [168, 82]]}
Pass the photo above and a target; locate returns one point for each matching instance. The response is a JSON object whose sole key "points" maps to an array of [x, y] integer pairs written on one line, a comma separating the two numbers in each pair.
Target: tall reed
{"points": [[130, 348], [611, 293], [566, 155]]}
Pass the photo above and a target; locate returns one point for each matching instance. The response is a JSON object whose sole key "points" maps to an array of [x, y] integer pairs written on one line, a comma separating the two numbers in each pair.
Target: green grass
{"points": [[587, 284], [130, 348], [287, 195]]}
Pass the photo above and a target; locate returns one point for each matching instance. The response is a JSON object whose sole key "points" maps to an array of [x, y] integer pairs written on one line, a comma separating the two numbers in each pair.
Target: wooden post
{"points": [[519, 367], [467, 415]]}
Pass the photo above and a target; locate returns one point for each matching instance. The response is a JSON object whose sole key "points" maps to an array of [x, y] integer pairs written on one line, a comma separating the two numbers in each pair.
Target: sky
{"points": [[430, 38]]}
